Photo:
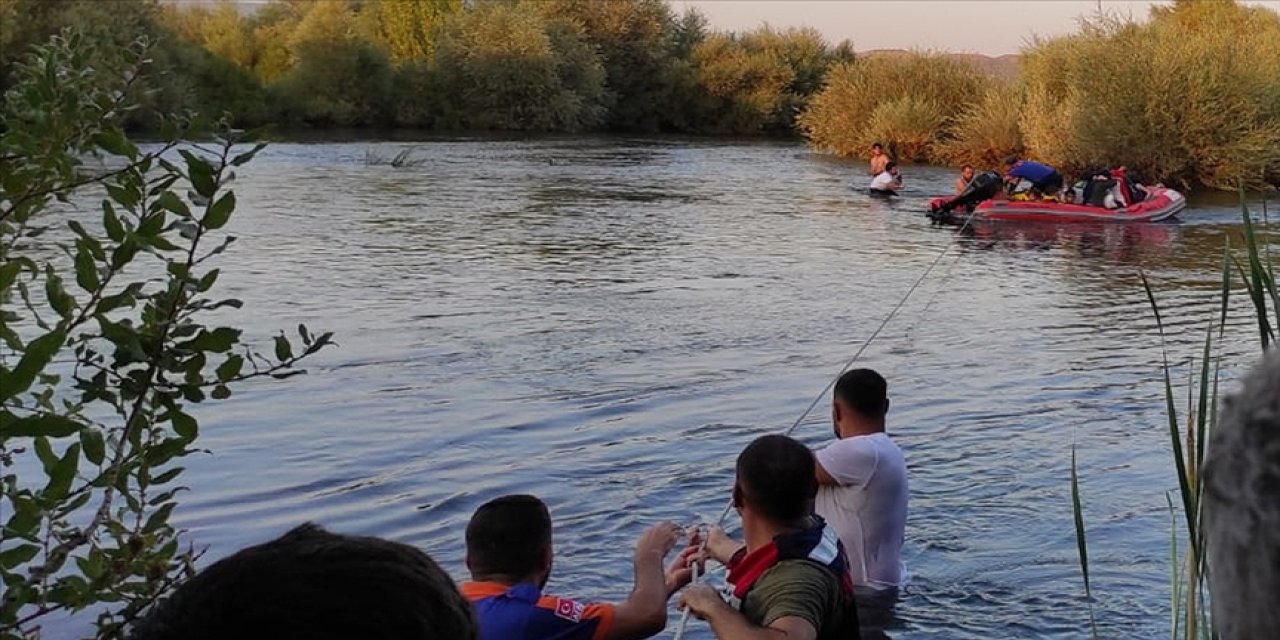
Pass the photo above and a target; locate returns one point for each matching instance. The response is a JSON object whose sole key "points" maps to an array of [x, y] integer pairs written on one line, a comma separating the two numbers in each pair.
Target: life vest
{"points": [[818, 544]]}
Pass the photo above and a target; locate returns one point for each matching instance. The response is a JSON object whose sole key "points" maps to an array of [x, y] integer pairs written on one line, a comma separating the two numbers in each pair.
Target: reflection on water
{"points": [[606, 323]]}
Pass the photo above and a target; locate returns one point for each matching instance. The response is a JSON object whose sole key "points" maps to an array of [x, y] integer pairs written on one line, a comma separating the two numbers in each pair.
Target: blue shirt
{"points": [[521, 612], [1032, 171]]}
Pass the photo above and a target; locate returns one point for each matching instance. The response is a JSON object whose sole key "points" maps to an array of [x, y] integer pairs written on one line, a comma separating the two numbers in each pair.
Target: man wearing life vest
{"points": [[791, 576], [509, 555]]}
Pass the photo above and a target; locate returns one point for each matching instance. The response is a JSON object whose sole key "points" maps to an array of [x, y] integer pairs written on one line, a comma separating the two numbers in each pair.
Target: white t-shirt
{"points": [[885, 181], [868, 508]]}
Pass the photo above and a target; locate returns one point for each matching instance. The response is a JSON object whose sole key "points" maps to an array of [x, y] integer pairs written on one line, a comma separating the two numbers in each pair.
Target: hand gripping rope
{"points": [[684, 618]]}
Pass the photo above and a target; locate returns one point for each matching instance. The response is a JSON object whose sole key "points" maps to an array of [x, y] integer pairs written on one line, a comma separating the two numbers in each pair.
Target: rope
{"points": [[684, 618]]}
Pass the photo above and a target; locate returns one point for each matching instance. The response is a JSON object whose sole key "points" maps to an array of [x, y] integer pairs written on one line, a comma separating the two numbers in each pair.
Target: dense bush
{"points": [[1192, 96], [906, 102], [507, 67], [987, 130]]}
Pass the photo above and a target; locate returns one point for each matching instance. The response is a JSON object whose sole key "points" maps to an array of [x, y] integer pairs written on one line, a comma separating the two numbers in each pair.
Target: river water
{"points": [[606, 322]]}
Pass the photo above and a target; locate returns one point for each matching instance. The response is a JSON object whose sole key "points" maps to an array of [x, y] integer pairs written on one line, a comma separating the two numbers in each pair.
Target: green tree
{"points": [[504, 66], [634, 39], [407, 28], [103, 345], [339, 78]]}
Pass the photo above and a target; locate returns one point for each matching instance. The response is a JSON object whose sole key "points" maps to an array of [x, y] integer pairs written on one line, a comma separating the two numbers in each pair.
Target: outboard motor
{"points": [[983, 186]]}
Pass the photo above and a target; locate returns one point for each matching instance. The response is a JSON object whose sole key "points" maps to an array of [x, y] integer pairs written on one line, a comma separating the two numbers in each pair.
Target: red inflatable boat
{"points": [[978, 202], [1160, 203]]}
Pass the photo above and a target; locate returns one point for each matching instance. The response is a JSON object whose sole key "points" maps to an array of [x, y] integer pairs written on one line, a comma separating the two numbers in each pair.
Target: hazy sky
{"points": [[992, 27]]}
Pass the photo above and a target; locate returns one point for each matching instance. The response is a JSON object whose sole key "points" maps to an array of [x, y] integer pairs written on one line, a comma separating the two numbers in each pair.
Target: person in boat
{"points": [[862, 485], [1045, 180], [310, 583], [879, 159], [887, 182], [1068, 196], [790, 578], [966, 174], [509, 556]]}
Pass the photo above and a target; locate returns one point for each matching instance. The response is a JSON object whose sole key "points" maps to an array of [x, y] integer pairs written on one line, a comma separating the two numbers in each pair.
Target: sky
{"points": [[992, 27]]}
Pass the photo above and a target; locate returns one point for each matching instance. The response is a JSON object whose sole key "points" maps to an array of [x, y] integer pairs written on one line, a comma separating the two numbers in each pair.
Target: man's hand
{"points": [[657, 540], [680, 571], [720, 546], [702, 601]]}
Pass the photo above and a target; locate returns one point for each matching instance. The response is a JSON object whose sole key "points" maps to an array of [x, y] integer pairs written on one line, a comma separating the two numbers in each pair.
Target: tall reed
{"points": [[1190, 617]]}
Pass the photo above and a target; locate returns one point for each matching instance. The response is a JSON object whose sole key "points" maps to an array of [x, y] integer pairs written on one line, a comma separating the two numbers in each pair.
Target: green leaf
{"points": [[170, 201], [219, 340], [220, 212], [95, 449], [18, 555], [53, 426], [166, 477], [61, 301], [284, 350], [9, 274], [220, 392], [25, 520], [230, 368], [248, 155], [115, 143], [63, 473], [111, 222], [200, 172], [123, 254], [124, 196], [207, 281], [152, 224], [87, 271], [158, 519], [38, 355], [183, 424]]}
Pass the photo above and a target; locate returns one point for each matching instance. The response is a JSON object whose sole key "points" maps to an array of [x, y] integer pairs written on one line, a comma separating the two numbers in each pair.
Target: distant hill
{"points": [[1005, 66]]}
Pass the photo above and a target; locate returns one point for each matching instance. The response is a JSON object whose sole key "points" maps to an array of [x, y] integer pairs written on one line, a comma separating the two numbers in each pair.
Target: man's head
{"points": [[891, 167], [966, 172], [313, 584], [1010, 161], [877, 149], [859, 403], [509, 541], [775, 481]]}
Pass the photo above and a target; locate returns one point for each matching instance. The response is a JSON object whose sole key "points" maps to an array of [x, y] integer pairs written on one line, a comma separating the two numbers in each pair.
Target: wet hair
{"points": [[313, 584], [776, 478], [864, 391], [877, 146], [508, 536], [890, 165], [1241, 513], [1010, 161]]}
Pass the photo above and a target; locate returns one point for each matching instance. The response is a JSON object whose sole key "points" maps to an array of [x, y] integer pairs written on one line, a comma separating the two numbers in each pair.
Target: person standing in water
{"points": [[862, 492], [887, 182], [966, 174], [879, 159], [790, 578], [509, 555]]}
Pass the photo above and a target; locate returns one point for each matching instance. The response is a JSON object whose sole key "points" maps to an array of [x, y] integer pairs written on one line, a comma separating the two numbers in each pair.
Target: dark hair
{"points": [[508, 536], [1011, 160], [967, 166], [776, 477], [313, 584], [863, 391], [890, 165], [877, 146]]}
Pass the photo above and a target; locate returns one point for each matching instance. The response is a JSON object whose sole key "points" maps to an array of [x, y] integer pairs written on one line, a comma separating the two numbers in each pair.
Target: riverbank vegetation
{"points": [[1191, 97]]}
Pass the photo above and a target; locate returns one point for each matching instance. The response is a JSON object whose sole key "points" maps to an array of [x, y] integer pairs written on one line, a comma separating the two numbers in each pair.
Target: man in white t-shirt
{"points": [[862, 479], [887, 182]]}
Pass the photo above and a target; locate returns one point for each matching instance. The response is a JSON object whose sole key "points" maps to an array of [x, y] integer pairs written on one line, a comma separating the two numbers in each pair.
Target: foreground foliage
{"points": [[104, 347]]}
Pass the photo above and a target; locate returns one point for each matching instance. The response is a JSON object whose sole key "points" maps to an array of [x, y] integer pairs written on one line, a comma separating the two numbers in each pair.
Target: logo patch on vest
{"points": [[570, 610]]}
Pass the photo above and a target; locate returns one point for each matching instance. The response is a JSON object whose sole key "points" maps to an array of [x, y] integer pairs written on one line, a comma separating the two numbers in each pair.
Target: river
{"points": [[606, 322]]}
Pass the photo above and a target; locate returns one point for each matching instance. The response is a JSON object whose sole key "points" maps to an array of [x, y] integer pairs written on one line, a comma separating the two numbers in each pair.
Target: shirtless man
{"points": [[966, 174], [879, 159]]}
